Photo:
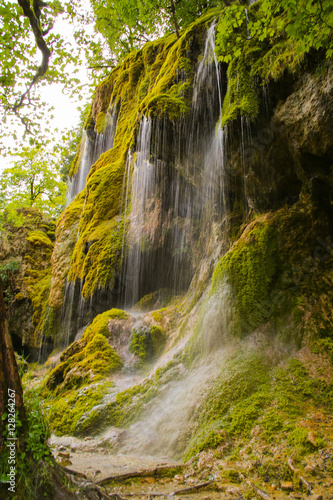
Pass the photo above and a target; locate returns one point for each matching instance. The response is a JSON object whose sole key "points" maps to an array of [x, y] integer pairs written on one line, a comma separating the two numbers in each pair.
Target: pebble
{"points": [[178, 477], [288, 485]]}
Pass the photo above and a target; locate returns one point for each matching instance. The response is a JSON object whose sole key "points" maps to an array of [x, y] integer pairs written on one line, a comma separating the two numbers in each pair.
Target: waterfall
{"points": [[174, 184], [142, 187], [91, 149]]}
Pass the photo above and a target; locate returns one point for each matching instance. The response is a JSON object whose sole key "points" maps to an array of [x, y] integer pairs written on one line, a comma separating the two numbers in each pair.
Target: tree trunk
{"points": [[9, 375], [173, 14]]}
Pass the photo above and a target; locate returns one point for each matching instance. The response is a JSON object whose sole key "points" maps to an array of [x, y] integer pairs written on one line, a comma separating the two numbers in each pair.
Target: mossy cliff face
{"points": [[250, 235], [91, 245], [25, 256]]}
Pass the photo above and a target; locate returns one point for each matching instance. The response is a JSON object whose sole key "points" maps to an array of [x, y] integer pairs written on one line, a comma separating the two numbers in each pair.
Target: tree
{"points": [[128, 25], [27, 32], [9, 376], [33, 181]]}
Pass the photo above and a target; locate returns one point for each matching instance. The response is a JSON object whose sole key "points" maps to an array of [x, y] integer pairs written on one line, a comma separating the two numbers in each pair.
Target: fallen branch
{"points": [[291, 466], [183, 491], [74, 472], [305, 483], [262, 494], [193, 488], [157, 471]]}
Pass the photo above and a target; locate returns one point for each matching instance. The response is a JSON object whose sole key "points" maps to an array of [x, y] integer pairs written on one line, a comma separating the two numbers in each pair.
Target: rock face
{"points": [[25, 254], [169, 191], [219, 240]]}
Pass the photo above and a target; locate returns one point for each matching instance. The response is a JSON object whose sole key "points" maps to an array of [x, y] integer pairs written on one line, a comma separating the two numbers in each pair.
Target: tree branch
{"points": [[41, 44]]}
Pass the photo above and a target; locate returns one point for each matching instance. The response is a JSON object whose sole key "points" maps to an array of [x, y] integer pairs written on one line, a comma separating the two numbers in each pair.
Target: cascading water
{"points": [[74, 313], [177, 183], [91, 150]]}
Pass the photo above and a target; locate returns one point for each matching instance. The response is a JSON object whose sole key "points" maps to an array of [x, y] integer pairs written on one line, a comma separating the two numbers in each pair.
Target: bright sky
{"points": [[66, 113]]}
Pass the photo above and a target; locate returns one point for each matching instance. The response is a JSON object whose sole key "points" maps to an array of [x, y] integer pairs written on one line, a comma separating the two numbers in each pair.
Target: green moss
{"points": [[158, 339], [157, 316], [249, 267], [147, 343], [75, 165], [93, 359], [39, 238], [63, 414], [100, 323], [254, 391], [231, 475], [159, 298], [38, 279], [100, 123], [298, 439], [323, 346], [241, 98], [147, 81]]}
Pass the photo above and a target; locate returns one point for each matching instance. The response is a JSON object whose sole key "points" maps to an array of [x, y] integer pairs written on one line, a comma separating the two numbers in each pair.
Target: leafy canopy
{"points": [[128, 25], [33, 181], [275, 34], [33, 54]]}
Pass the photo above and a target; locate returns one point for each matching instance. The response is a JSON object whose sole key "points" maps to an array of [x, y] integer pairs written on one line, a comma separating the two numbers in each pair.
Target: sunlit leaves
{"points": [[33, 181], [276, 29], [19, 60]]}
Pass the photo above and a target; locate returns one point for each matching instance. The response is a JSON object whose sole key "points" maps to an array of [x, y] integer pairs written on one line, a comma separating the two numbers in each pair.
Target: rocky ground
{"points": [[210, 475]]}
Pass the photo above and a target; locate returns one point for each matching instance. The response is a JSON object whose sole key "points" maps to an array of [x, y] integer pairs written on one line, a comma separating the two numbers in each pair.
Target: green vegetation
{"points": [[64, 413], [33, 181], [264, 40], [87, 360], [127, 27], [253, 390], [147, 343], [249, 267], [100, 323], [31, 448]]}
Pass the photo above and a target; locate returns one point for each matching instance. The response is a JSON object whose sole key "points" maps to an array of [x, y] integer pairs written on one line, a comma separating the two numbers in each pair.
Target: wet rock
{"points": [[65, 462], [72, 349], [287, 486]]}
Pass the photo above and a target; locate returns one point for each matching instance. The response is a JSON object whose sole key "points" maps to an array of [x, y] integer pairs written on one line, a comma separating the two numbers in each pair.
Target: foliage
{"points": [[33, 181], [127, 26], [264, 40], [31, 449], [7, 270], [39, 432], [26, 31]]}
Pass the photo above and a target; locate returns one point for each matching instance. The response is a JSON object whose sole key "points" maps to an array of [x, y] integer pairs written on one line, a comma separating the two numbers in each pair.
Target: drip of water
{"points": [[142, 188], [92, 148], [206, 64]]}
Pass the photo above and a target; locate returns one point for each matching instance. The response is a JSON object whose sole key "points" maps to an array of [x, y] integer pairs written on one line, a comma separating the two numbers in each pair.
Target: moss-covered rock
{"points": [[147, 342]]}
